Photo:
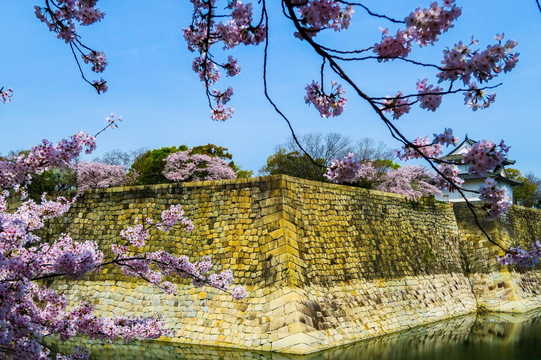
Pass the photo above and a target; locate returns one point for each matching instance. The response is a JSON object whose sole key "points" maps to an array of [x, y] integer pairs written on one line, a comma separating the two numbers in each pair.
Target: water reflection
{"points": [[485, 336]]}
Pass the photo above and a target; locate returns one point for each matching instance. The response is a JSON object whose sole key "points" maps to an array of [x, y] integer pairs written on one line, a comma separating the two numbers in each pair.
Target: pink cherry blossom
{"points": [[520, 257], [208, 29], [97, 59], [497, 198], [450, 179], [328, 105], [484, 156], [463, 62], [343, 170], [426, 25], [429, 96], [6, 95], [393, 46], [30, 310], [446, 138], [420, 146], [222, 113], [323, 14], [478, 99], [397, 105]]}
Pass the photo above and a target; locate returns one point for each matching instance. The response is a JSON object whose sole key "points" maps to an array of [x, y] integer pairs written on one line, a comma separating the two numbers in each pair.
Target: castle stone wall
{"points": [[323, 264]]}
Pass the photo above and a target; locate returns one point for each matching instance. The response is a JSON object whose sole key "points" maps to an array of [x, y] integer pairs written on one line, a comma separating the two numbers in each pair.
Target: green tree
{"points": [[294, 164], [528, 193], [53, 180]]}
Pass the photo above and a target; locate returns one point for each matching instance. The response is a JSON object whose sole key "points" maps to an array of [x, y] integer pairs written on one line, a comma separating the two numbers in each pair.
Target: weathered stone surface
{"points": [[323, 264]]}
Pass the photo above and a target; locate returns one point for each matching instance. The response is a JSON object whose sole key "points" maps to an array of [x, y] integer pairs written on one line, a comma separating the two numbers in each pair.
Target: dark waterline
{"points": [[493, 336]]}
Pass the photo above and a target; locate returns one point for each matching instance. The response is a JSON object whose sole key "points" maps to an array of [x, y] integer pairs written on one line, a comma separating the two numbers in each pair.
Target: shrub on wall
{"points": [[150, 166]]}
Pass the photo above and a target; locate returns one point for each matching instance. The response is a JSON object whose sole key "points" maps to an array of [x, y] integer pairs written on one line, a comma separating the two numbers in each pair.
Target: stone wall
{"points": [[500, 288], [323, 264]]}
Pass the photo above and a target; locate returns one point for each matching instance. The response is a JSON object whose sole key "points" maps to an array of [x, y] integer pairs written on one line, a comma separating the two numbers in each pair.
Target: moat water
{"points": [[491, 336]]}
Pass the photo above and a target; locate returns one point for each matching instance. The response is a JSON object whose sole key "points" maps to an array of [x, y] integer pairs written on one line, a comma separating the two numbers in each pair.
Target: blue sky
{"points": [[162, 101]]}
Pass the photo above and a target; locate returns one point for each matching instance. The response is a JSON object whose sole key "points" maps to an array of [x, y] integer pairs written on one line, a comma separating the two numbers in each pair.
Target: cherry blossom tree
{"points": [[30, 310], [94, 175], [411, 181], [184, 166]]}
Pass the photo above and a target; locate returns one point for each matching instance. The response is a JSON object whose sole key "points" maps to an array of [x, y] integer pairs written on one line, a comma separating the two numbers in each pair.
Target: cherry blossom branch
{"points": [[380, 58], [346, 51], [438, 93], [61, 20], [395, 133]]}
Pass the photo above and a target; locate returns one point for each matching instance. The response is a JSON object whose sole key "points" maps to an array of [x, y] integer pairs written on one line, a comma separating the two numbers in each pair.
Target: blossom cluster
{"points": [[397, 105], [343, 170], [328, 105], [18, 170], [521, 257], [423, 146], [97, 59], [183, 166], [136, 235], [446, 138], [205, 31], [495, 197], [462, 62], [429, 96], [367, 172], [317, 15], [154, 266], [484, 156], [419, 147], [171, 217], [34, 214], [449, 180], [393, 46], [164, 263], [424, 26], [477, 99], [6, 95], [67, 13]]}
